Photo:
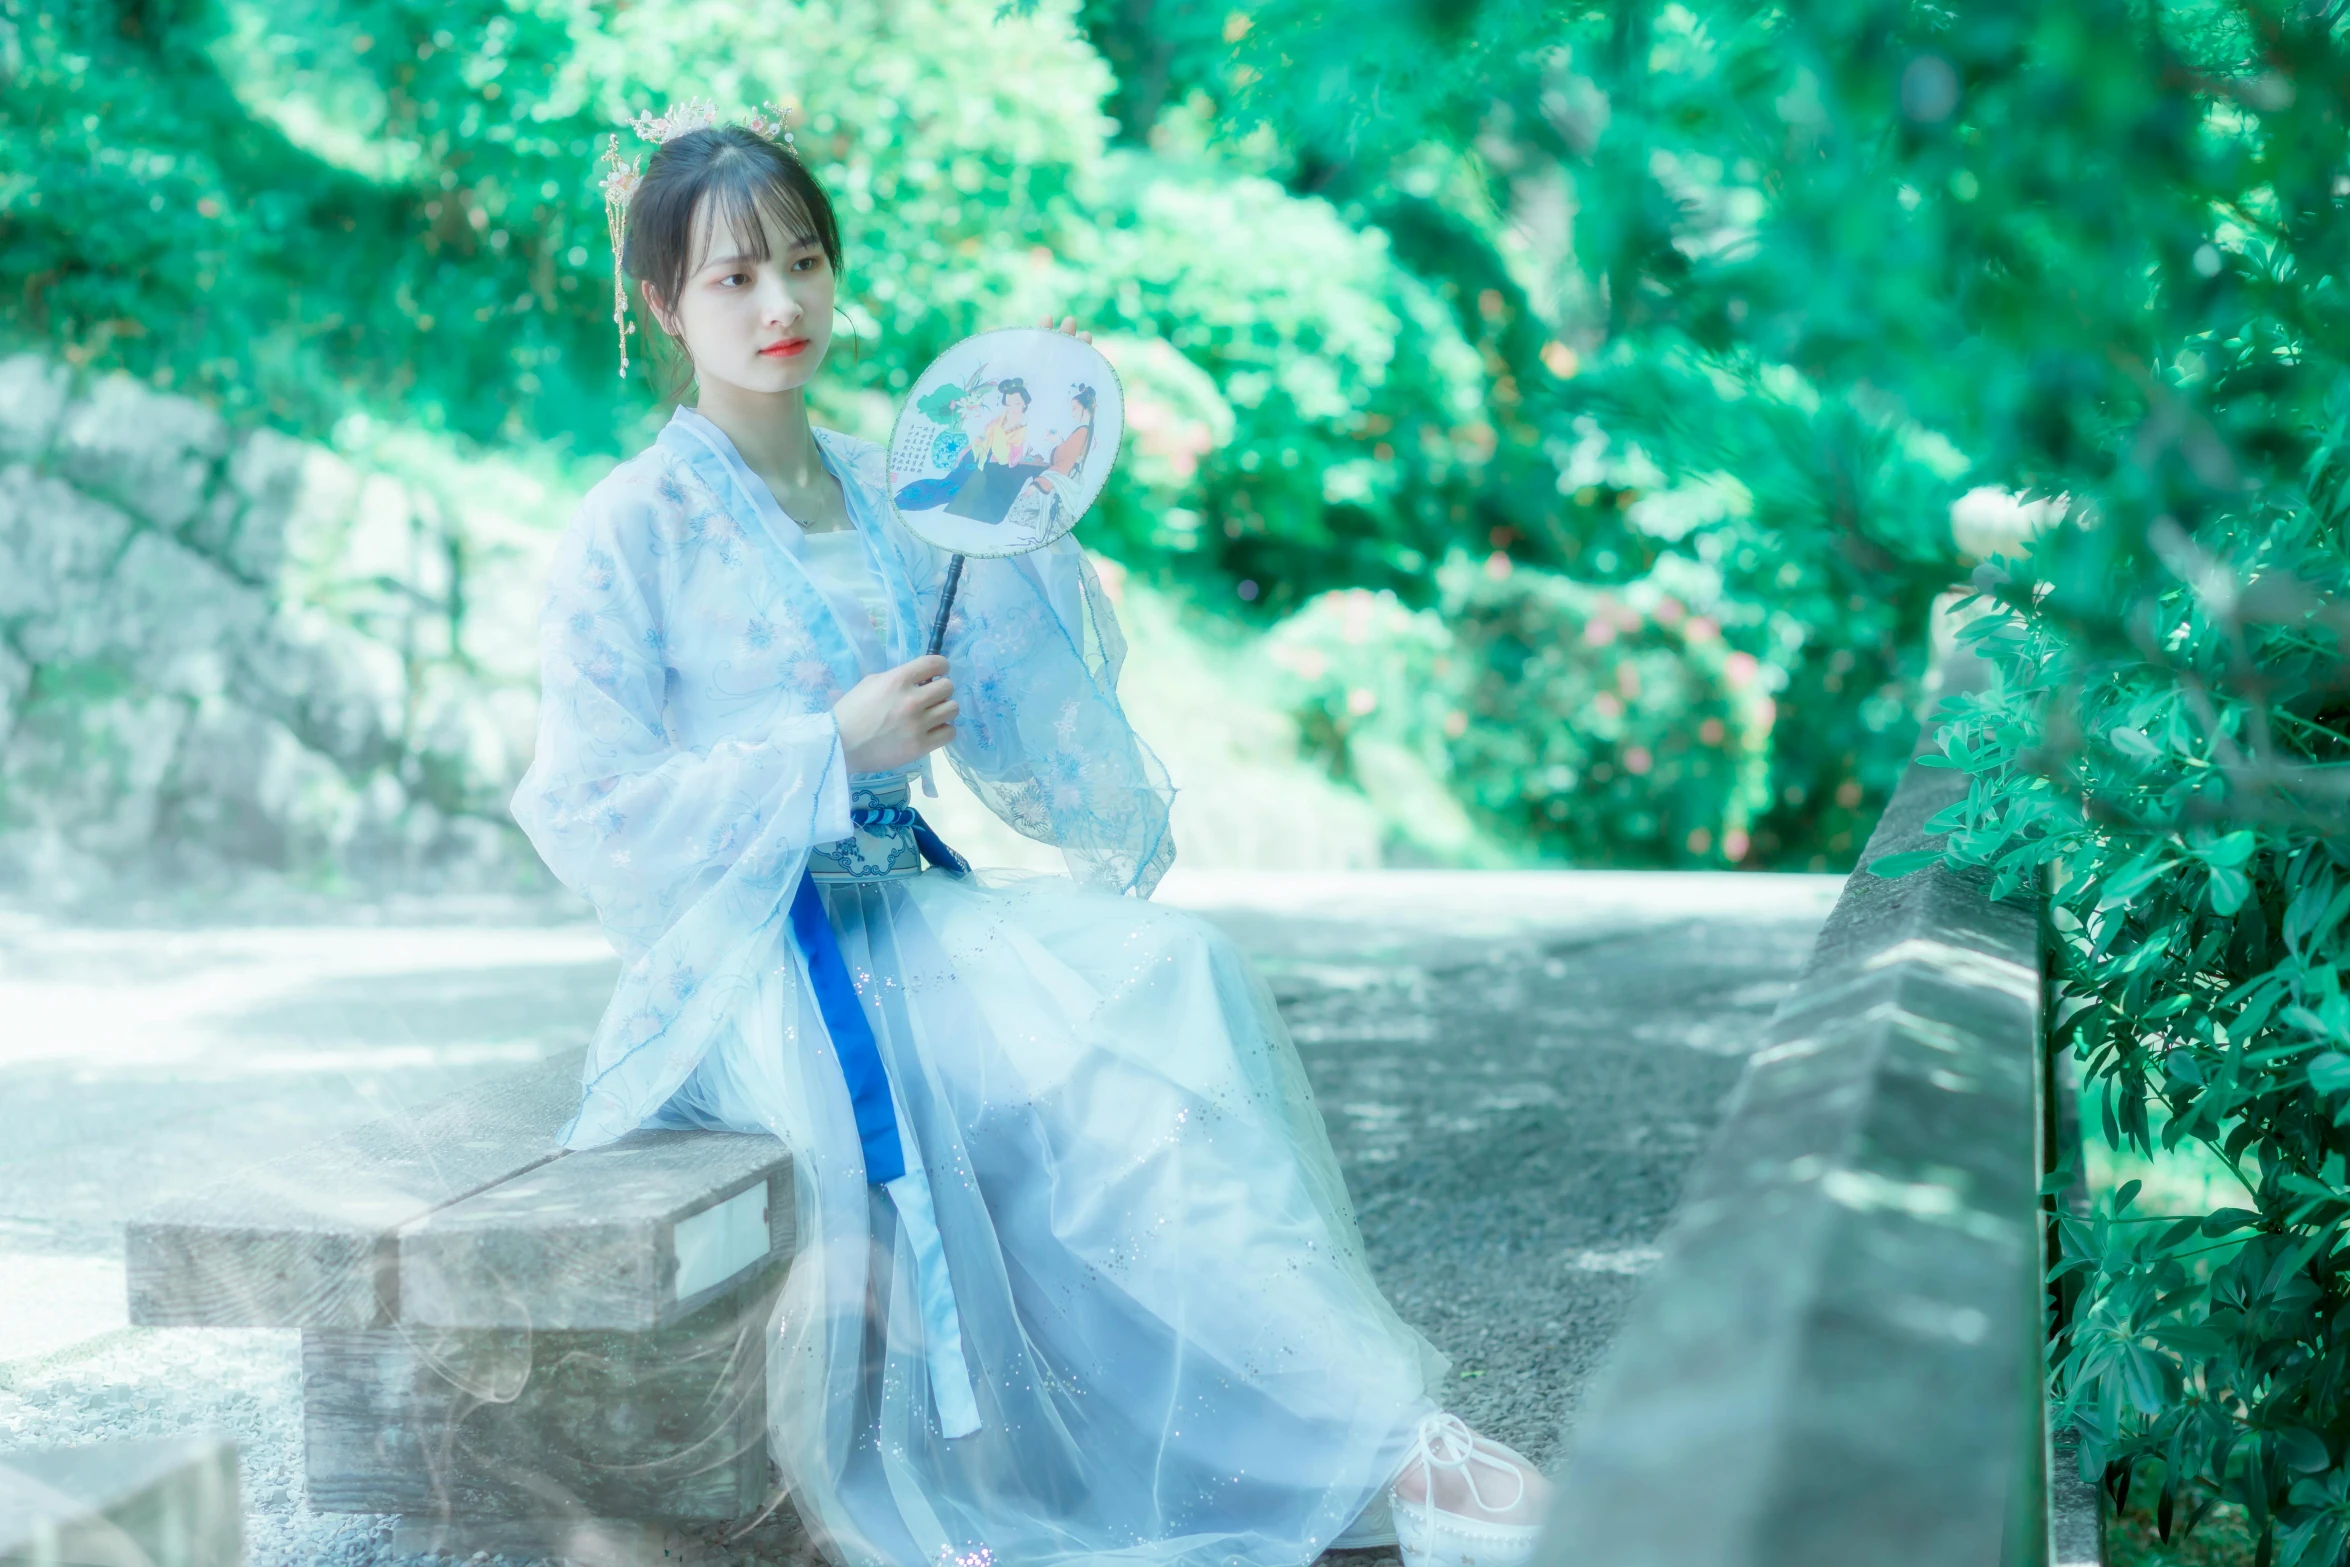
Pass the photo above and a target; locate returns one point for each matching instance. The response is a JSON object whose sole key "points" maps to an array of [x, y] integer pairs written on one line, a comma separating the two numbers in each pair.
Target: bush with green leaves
{"points": [[2186, 814], [1582, 188], [1860, 258], [294, 211], [1595, 726], [1607, 726]]}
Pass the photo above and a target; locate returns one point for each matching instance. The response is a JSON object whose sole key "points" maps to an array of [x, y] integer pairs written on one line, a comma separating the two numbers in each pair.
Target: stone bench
{"points": [[498, 1334]]}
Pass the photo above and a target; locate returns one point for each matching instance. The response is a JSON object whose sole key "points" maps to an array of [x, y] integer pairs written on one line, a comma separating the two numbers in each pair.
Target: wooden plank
{"points": [[161, 1502], [504, 1423], [311, 1239], [635, 1235]]}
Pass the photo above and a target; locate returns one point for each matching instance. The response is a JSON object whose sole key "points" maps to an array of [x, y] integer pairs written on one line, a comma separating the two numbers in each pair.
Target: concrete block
{"points": [[311, 1239], [1837, 1361], [505, 1423], [635, 1235]]}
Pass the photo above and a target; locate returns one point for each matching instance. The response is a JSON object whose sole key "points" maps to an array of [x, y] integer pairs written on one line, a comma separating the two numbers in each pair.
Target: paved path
{"points": [[1516, 1071]]}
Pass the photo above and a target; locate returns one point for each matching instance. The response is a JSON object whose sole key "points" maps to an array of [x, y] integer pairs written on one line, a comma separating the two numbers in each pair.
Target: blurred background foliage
{"points": [[1379, 315]]}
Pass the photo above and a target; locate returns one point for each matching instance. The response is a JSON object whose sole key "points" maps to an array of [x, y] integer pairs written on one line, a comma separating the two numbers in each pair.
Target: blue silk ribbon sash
{"points": [[882, 828]]}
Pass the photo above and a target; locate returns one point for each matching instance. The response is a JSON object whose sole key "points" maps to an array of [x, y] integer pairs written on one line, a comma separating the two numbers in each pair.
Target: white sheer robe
{"points": [[1176, 1351]]}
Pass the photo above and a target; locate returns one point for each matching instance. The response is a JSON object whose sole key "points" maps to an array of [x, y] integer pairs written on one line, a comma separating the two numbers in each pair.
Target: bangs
{"points": [[738, 205]]}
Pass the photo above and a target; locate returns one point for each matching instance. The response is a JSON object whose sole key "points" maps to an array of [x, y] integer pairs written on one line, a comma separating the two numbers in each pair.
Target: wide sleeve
{"points": [[1034, 650], [643, 827]]}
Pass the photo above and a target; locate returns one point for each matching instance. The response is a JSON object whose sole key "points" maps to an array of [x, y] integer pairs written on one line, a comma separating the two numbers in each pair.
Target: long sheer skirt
{"points": [[1177, 1352]]}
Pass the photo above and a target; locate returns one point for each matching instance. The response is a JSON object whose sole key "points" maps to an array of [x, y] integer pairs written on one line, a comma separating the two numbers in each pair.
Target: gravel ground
{"points": [[1516, 1072]]}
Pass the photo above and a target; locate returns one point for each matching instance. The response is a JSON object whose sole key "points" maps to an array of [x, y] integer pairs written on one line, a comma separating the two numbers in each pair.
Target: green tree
{"points": [[298, 211], [1638, 435], [1857, 257]]}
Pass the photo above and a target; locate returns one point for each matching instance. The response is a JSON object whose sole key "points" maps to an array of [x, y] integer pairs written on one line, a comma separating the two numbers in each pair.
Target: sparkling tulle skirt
{"points": [[1176, 1350]]}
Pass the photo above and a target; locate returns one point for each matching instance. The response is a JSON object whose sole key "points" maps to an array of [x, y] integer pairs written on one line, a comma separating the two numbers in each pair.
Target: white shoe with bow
{"points": [[1462, 1500]]}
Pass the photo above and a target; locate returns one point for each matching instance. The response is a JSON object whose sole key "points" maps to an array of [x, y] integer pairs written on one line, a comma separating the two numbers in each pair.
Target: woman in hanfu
{"points": [[1077, 1279]]}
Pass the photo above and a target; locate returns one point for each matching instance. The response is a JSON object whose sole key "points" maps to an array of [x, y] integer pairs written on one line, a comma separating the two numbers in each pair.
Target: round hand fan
{"points": [[1002, 445]]}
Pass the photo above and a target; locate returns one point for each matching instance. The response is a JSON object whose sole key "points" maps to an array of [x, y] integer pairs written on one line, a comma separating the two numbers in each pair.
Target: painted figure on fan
{"points": [[1005, 454], [1077, 1277]]}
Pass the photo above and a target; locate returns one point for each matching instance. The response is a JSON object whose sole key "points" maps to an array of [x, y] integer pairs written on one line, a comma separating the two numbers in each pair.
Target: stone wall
{"points": [[231, 652], [228, 656]]}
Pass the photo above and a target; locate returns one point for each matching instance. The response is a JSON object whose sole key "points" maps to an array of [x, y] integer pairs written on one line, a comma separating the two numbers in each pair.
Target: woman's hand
{"points": [[1068, 325], [898, 716]]}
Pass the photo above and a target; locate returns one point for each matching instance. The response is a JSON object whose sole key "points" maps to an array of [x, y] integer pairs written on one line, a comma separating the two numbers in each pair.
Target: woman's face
{"points": [[757, 326], [1016, 407]]}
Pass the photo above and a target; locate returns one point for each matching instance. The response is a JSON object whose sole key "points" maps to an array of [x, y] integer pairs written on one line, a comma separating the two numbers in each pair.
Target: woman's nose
{"points": [[776, 302]]}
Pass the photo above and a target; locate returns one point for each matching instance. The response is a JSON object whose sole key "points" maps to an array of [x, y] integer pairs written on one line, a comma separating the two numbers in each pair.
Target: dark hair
{"points": [[741, 174], [1083, 397], [1015, 386]]}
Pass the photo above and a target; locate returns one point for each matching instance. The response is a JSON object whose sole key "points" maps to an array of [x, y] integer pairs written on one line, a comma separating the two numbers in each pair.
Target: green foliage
{"points": [[1352, 338], [1677, 390], [1607, 726], [1852, 259], [1355, 407], [388, 206], [2099, 252], [2186, 814], [1593, 725]]}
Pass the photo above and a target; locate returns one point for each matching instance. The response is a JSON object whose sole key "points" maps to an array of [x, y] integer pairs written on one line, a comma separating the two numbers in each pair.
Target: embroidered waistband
{"points": [[886, 841], [881, 847]]}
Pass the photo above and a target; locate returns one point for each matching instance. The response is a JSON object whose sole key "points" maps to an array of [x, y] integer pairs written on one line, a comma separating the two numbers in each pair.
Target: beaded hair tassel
{"points": [[622, 176], [620, 182]]}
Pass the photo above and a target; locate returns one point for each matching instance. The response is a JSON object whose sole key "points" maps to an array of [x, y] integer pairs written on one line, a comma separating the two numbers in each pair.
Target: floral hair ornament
{"points": [[622, 176]]}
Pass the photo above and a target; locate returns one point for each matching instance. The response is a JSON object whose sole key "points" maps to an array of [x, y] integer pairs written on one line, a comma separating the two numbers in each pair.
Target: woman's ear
{"points": [[657, 310]]}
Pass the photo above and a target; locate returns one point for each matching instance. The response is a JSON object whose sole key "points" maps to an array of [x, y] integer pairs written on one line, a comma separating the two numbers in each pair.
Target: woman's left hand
{"points": [[1068, 325]]}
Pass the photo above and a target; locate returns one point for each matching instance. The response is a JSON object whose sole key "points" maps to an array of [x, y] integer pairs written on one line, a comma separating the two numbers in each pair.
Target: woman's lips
{"points": [[785, 349]]}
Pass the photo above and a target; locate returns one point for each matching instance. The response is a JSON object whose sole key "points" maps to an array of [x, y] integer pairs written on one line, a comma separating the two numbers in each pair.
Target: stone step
{"points": [[635, 1235], [311, 1239], [464, 1214]]}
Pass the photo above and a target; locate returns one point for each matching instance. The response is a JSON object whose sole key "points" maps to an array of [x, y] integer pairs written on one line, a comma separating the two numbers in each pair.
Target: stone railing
{"points": [[232, 650], [1838, 1362]]}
